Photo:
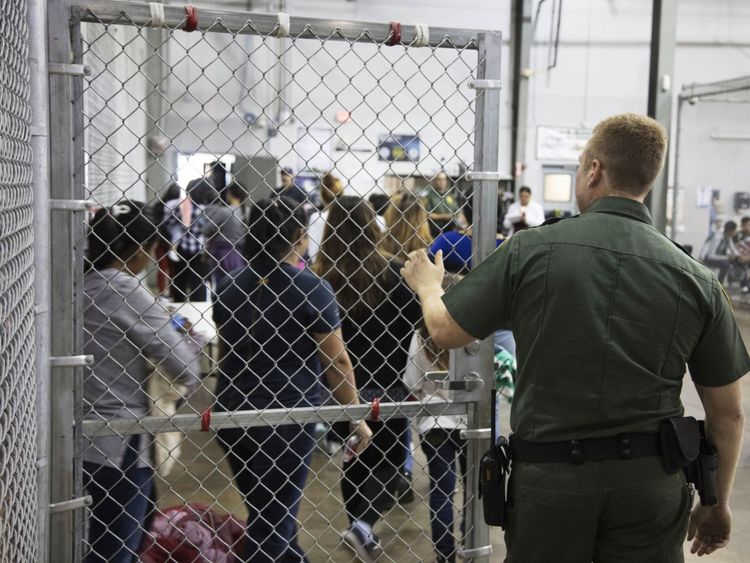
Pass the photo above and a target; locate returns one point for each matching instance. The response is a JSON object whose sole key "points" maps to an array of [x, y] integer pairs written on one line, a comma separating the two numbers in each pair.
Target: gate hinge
{"points": [[72, 504], [474, 552], [69, 69], [71, 361], [70, 204], [486, 84]]}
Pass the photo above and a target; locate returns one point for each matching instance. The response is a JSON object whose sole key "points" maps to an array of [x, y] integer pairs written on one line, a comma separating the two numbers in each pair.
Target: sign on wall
{"points": [[398, 148], [561, 144]]}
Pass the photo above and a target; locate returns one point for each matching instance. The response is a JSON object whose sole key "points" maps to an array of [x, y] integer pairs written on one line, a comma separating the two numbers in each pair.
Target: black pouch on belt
{"points": [[493, 473], [680, 442]]}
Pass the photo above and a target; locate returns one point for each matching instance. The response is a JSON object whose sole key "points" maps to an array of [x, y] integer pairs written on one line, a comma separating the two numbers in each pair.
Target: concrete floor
{"points": [[203, 476]]}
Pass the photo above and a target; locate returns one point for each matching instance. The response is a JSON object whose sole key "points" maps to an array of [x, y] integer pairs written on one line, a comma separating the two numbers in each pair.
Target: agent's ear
{"points": [[595, 173]]}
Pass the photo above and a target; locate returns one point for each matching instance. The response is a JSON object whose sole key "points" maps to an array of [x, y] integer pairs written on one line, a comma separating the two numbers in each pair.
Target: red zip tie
{"points": [[375, 409], [395, 36], [192, 18], [206, 420]]}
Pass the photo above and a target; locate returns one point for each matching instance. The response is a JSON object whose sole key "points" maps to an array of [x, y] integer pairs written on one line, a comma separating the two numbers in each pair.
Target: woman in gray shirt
{"points": [[126, 330]]}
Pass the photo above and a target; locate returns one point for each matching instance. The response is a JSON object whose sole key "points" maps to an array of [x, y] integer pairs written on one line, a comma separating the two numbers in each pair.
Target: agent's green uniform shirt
{"points": [[435, 202], [606, 313]]}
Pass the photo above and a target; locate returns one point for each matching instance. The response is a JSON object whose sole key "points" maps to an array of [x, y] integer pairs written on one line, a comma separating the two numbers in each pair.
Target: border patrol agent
{"points": [[606, 312]]}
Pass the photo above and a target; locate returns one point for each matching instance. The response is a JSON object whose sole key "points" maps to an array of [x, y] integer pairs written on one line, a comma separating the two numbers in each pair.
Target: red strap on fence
{"points": [[395, 37], [375, 409], [206, 420], [191, 24]]}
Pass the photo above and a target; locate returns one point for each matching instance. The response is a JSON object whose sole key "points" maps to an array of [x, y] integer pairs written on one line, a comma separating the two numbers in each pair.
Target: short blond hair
{"points": [[630, 148]]}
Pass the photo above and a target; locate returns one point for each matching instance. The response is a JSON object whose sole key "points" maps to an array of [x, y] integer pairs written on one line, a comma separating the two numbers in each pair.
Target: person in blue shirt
{"points": [[456, 245], [279, 329]]}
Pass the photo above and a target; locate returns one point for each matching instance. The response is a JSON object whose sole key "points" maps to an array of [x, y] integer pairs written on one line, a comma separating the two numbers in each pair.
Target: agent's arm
{"points": [[710, 526], [425, 279]]}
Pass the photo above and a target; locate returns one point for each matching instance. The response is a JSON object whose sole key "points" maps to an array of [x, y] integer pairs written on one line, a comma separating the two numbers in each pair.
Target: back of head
{"points": [[408, 227], [273, 228], [118, 232], [730, 227], [237, 191], [631, 149], [202, 192], [348, 257], [330, 188], [379, 202]]}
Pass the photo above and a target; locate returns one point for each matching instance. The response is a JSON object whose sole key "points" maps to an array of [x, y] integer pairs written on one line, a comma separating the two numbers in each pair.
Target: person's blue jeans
{"points": [[441, 447], [270, 466], [120, 500]]}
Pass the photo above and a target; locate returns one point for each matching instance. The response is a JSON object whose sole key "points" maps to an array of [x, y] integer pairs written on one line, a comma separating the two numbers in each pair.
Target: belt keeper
{"points": [[576, 452], [375, 410], [206, 420], [394, 37]]}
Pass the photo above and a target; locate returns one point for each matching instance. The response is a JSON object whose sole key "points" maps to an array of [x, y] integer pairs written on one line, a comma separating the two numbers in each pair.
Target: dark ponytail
{"points": [[272, 230], [118, 232]]}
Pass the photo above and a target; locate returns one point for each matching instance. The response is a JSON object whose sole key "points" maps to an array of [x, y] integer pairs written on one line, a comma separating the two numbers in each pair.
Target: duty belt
{"points": [[623, 446]]}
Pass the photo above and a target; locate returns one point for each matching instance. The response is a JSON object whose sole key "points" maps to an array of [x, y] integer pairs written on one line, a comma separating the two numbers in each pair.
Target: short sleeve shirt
{"points": [[267, 325], [606, 313]]}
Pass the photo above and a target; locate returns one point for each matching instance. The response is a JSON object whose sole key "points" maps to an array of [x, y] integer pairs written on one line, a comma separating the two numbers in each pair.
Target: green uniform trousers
{"points": [[606, 512]]}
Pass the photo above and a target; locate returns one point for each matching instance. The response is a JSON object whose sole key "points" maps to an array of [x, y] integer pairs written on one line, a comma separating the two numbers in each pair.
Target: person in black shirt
{"points": [[277, 324], [379, 313]]}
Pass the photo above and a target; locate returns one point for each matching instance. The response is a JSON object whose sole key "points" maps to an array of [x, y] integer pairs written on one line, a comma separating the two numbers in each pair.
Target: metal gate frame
{"points": [[67, 191]]}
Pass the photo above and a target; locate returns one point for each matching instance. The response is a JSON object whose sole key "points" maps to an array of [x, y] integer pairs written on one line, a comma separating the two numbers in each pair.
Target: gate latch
{"points": [[72, 504], [470, 382]]}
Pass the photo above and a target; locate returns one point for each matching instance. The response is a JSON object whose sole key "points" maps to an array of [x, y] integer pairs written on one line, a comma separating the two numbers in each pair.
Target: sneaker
{"points": [[404, 491], [367, 550]]}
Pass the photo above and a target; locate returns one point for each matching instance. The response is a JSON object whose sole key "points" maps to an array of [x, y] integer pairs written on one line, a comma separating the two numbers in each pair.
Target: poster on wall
{"points": [[561, 144], [399, 148]]}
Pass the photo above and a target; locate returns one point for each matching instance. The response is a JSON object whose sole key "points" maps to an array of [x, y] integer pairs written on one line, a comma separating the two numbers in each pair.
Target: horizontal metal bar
{"points": [[484, 176], [269, 417], [486, 84], [476, 434], [71, 361], [69, 69], [253, 23], [475, 552], [72, 504], [70, 204]]}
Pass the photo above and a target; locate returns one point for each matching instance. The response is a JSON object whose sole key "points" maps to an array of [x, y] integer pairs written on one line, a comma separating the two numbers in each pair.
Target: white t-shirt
{"points": [[534, 215]]}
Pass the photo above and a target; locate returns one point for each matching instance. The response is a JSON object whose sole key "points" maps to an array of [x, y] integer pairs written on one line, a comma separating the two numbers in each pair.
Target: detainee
{"points": [[606, 312]]}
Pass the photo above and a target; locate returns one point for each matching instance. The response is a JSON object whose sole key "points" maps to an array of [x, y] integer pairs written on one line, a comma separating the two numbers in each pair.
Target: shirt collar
{"points": [[621, 206]]}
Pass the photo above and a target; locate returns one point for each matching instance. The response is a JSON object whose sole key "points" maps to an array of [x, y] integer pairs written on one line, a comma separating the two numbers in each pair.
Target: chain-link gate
{"points": [[18, 503], [219, 407]]}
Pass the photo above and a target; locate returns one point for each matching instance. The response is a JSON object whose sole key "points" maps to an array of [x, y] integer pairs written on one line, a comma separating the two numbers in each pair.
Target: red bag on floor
{"points": [[193, 534]]}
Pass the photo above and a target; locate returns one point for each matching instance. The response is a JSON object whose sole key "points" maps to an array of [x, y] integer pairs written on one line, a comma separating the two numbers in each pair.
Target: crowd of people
{"points": [[728, 251], [310, 306]]}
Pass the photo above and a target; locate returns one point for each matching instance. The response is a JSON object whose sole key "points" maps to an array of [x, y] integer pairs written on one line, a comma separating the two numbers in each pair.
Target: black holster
{"points": [[685, 446], [494, 469]]}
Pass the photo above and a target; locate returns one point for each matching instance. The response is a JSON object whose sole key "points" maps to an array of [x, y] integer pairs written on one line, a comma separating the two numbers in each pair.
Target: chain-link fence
{"points": [[18, 541], [242, 298], [710, 169]]}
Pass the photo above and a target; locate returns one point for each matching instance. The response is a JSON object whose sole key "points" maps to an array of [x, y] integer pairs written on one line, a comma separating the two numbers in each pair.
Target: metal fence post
{"points": [[37, 21], [486, 155], [66, 338]]}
